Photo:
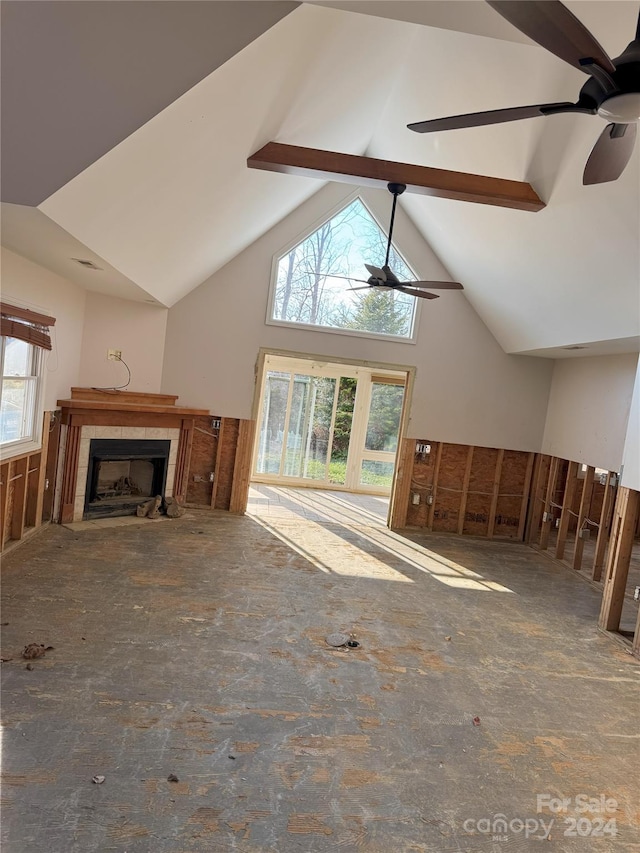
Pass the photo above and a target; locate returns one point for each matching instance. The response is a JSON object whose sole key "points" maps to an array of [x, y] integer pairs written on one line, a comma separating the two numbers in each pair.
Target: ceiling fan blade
{"points": [[610, 154], [435, 285], [421, 293], [496, 117], [554, 27], [366, 287]]}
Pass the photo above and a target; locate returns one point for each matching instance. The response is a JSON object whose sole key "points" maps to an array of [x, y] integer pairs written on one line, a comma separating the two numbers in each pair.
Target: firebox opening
{"points": [[130, 477], [123, 474]]}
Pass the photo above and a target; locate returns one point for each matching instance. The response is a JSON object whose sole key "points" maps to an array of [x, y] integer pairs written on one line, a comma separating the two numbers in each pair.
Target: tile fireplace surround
{"points": [[91, 414]]}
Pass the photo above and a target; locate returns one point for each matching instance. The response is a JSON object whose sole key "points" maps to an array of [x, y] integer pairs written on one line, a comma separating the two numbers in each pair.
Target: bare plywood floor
{"points": [[197, 647]]}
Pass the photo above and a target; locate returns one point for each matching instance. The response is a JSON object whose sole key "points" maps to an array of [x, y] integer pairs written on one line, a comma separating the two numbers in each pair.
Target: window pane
{"points": [[14, 410], [18, 358], [384, 417], [342, 430], [19, 387], [311, 288], [274, 410], [309, 426], [318, 449], [377, 474], [295, 436]]}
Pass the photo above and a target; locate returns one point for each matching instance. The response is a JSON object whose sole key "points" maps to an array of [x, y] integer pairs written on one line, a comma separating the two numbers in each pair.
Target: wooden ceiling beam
{"points": [[367, 171]]}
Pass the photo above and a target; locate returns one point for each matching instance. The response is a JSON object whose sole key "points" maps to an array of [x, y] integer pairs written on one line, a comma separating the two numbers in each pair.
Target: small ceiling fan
{"points": [[385, 277], [613, 90]]}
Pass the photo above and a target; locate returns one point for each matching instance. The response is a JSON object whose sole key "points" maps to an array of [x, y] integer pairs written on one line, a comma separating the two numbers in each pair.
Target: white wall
{"points": [[138, 330], [589, 409], [631, 456], [467, 389], [31, 286]]}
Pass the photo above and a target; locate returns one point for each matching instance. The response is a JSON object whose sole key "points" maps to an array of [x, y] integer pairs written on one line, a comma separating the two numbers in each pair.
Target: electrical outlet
{"points": [[429, 499], [114, 354], [415, 499]]}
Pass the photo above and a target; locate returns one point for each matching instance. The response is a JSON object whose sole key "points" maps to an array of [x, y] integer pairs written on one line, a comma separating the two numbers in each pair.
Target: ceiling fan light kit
{"points": [[612, 90], [624, 108]]}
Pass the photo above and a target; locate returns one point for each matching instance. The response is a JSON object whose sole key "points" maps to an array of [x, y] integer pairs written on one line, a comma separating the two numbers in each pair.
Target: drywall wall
{"points": [[631, 456], [136, 329], [31, 286], [589, 409], [467, 389]]}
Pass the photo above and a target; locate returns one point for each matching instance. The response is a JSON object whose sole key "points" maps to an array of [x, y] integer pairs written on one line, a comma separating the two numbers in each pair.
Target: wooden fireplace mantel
{"points": [[131, 402], [94, 407]]}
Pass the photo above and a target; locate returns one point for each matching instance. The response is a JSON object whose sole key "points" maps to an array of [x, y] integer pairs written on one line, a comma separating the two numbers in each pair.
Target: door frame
{"points": [[408, 369]]}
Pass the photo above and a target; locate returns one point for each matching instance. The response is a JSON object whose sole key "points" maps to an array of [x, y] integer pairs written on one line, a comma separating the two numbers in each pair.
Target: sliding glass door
{"points": [[334, 426], [296, 430]]}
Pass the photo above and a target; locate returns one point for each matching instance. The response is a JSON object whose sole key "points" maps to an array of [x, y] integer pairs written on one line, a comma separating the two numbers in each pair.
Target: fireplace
{"points": [[118, 448], [122, 473]]}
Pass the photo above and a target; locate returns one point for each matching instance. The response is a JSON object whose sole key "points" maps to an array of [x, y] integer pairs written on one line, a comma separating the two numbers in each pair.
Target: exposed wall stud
{"points": [[604, 528], [183, 459], [34, 467], [619, 558], [538, 489], [434, 487], [526, 489], [583, 513], [217, 478], [242, 467], [46, 434], [226, 454], [19, 497], [548, 501], [565, 517], [496, 492], [465, 490], [5, 469], [402, 484]]}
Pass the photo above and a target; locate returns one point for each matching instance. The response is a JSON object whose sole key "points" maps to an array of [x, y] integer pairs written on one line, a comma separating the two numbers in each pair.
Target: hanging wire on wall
{"points": [[116, 387]]}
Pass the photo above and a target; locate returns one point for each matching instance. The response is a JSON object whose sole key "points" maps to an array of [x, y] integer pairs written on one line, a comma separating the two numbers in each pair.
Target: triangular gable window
{"points": [[314, 280]]}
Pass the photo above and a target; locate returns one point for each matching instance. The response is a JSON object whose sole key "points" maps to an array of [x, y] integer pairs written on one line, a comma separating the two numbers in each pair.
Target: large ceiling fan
{"points": [[613, 90], [384, 277]]}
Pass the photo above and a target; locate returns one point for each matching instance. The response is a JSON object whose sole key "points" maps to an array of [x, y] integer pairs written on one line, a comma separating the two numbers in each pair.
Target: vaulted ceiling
{"points": [[126, 129]]}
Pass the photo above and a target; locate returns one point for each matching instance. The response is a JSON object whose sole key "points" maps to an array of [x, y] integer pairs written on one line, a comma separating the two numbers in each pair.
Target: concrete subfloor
{"points": [[197, 648]]}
